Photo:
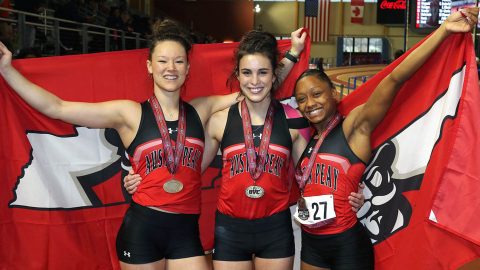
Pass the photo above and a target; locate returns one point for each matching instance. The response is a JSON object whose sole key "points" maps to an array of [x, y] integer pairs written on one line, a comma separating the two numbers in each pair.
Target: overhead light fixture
{"points": [[257, 8]]}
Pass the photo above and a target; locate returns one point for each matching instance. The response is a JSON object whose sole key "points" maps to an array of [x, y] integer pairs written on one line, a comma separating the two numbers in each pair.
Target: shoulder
{"points": [[349, 121], [190, 108], [129, 114], [196, 103], [126, 102], [220, 116], [130, 107], [193, 107], [122, 106]]}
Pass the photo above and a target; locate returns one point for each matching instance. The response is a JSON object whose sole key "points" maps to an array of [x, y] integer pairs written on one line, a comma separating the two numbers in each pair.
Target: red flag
{"points": [[426, 143], [62, 200], [317, 19], [456, 204]]}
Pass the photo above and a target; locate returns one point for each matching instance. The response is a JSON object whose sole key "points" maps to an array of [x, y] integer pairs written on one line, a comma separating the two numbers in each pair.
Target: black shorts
{"points": [[240, 239], [351, 249], [148, 235]]}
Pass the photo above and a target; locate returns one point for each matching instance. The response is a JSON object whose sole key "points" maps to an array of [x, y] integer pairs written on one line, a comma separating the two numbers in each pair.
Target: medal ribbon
{"points": [[302, 177], [172, 159], [255, 163]]}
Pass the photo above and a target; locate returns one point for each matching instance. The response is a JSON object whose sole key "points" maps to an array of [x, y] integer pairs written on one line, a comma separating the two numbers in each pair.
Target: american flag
{"points": [[317, 17]]}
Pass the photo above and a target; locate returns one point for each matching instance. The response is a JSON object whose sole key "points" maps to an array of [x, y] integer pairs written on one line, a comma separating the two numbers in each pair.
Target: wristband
{"points": [[291, 57]]}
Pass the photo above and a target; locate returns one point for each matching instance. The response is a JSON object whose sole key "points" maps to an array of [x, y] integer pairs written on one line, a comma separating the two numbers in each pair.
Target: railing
{"points": [[67, 37], [341, 89], [344, 90], [352, 81]]}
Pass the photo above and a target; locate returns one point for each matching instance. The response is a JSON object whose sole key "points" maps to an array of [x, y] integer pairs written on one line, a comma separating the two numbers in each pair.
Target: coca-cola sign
{"points": [[399, 4], [391, 11]]}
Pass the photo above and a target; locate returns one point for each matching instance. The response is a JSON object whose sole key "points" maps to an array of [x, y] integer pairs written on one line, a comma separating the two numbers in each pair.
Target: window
{"points": [[375, 45], [347, 44], [362, 45]]}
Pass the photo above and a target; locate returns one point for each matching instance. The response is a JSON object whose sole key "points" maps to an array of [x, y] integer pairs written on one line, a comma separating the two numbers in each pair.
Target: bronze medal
{"points": [[303, 212], [173, 186], [172, 158]]}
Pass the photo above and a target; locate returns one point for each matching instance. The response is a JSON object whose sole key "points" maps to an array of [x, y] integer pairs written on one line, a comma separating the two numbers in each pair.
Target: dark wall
{"points": [[224, 20]]}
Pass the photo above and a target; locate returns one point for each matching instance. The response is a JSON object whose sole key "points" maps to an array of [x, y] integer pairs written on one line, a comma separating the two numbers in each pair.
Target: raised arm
{"points": [[112, 114], [298, 43], [365, 118], [206, 106]]}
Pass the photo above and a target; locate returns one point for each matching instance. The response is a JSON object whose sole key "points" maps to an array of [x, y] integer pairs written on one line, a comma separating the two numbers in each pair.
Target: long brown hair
{"points": [[255, 42]]}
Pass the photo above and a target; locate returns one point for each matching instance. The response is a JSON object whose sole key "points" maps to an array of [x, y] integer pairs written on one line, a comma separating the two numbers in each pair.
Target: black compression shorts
{"points": [[148, 235], [348, 250], [240, 239]]}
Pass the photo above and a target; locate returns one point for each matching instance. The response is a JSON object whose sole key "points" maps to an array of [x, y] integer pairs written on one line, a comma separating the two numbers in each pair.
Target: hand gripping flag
{"points": [[422, 183], [62, 200]]}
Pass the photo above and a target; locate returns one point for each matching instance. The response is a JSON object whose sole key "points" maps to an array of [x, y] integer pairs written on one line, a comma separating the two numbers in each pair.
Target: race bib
{"points": [[319, 211]]}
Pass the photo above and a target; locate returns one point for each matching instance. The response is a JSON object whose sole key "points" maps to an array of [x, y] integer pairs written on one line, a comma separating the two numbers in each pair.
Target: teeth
{"points": [[314, 112], [256, 89], [170, 77]]}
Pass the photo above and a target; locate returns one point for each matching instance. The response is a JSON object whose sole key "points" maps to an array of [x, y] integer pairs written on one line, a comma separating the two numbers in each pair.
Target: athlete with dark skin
{"points": [[255, 70], [317, 101]]}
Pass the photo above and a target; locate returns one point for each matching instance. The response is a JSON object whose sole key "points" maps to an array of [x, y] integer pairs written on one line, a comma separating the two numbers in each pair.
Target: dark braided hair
{"points": [[317, 73], [257, 42], [169, 30]]}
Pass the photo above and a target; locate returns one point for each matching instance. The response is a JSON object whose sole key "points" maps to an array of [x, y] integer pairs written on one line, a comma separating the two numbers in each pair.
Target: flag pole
{"points": [[296, 14], [405, 30], [341, 16], [475, 38]]}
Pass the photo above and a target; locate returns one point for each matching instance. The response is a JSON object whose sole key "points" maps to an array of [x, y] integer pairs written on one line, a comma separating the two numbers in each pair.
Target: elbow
{"points": [[55, 110], [395, 79]]}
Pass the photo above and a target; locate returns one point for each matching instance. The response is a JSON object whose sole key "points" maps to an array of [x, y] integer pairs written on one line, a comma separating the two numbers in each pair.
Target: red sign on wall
{"points": [[356, 13], [391, 11], [399, 4]]}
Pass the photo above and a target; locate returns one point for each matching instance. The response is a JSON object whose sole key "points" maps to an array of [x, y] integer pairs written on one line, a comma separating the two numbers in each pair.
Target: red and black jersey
{"points": [[148, 159], [236, 176], [337, 170]]}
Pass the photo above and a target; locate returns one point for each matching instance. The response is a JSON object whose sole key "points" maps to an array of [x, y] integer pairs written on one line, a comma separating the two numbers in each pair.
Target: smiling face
{"points": [[256, 77], [316, 100], [168, 65]]}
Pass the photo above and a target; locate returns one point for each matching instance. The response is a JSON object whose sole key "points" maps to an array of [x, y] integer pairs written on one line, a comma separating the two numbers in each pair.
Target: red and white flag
{"points": [[423, 181], [356, 13], [317, 19], [62, 200]]}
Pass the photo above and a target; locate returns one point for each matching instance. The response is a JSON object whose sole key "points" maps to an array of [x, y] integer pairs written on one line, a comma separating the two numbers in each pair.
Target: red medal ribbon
{"points": [[172, 160], [255, 163], [302, 177]]}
